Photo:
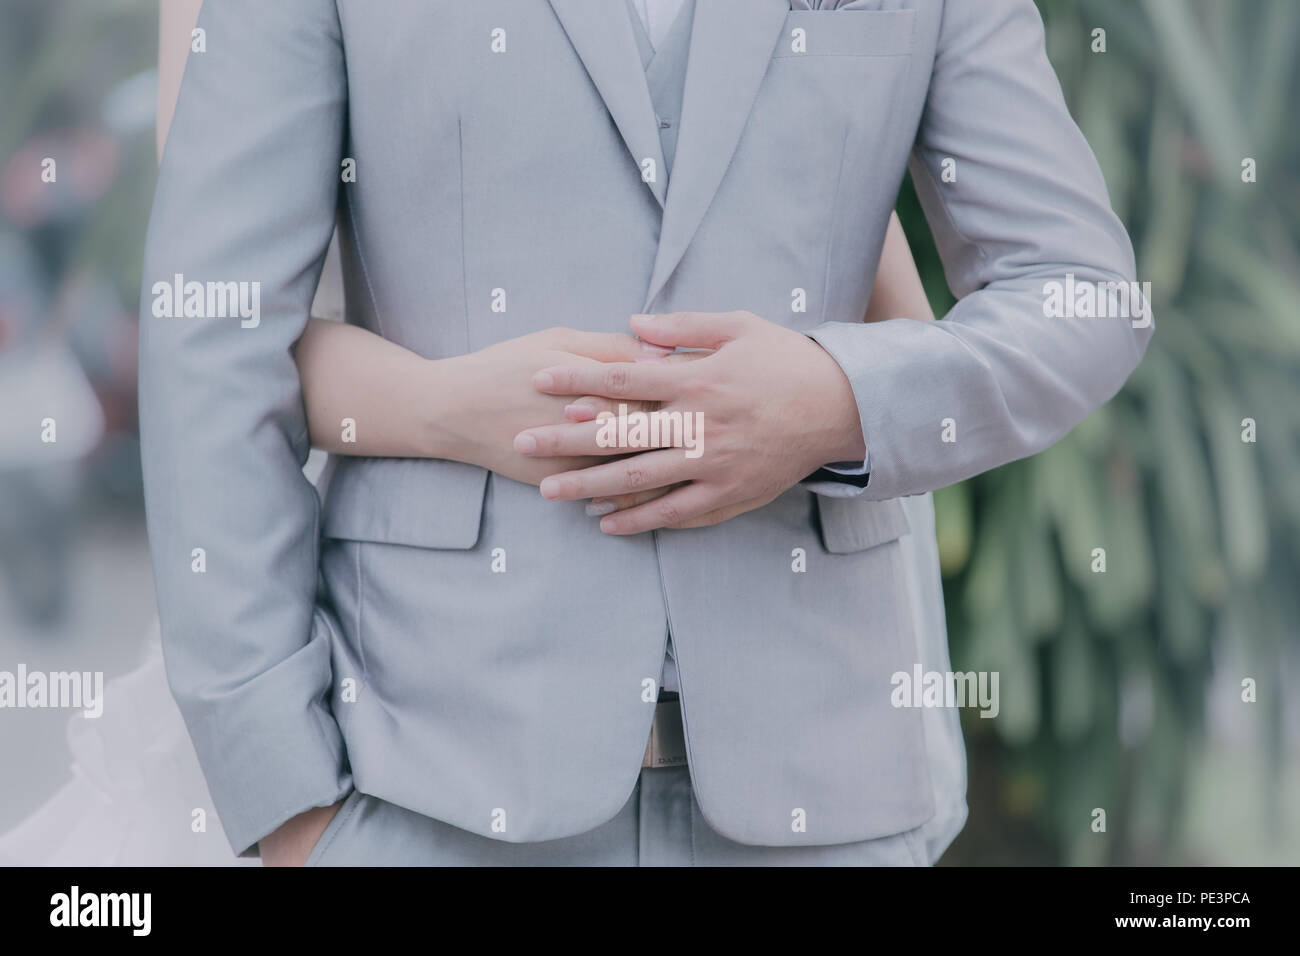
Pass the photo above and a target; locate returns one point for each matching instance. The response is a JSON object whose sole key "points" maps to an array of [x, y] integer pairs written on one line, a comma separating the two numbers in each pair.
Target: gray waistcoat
{"points": [[665, 74]]}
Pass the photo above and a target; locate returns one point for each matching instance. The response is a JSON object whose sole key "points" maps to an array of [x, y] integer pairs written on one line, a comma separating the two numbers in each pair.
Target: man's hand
{"points": [[291, 843], [775, 407]]}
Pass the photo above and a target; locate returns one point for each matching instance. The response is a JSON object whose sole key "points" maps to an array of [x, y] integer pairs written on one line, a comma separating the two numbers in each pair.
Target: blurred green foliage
{"points": [[1106, 678]]}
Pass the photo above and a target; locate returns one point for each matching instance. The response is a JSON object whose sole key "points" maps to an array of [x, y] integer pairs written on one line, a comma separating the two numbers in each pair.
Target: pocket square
{"points": [[832, 5]]}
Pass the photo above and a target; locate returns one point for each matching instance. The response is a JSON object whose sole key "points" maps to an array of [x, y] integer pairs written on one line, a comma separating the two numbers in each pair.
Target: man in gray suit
{"points": [[431, 663]]}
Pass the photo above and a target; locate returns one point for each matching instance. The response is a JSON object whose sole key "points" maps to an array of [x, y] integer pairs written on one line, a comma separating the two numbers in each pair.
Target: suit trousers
{"points": [[659, 825]]}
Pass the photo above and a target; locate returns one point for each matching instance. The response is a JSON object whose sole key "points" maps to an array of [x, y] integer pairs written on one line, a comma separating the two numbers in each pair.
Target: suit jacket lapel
{"points": [[731, 44], [602, 36]]}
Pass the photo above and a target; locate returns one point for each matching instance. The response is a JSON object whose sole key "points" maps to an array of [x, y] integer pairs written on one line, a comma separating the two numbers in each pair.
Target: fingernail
{"points": [[642, 317], [656, 349], [598, 509], [544, 380], [525, 444], [550, 488]]}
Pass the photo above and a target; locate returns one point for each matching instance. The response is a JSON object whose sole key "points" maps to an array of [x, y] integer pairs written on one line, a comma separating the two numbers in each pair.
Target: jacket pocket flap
{"points": [[856, 524], [423, 503]]}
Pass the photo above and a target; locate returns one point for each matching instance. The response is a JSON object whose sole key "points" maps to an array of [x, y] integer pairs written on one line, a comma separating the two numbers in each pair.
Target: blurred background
{"points": [[1121, 690]]}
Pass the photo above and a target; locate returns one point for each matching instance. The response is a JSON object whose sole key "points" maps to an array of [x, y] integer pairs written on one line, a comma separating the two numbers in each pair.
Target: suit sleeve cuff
{"points": [[841, 479], [271, 748]]}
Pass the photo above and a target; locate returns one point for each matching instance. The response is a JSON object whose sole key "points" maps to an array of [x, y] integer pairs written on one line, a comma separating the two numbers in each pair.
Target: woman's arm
{"points": [[898, 292], [176, 21], [365, 395]]}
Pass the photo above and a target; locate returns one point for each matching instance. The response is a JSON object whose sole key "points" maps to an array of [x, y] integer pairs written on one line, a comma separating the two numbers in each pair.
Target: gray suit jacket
{"points": [[362, 637]]}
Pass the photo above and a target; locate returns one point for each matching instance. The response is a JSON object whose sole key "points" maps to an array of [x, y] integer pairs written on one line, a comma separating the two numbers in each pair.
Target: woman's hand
{"points": [[367, 396], [491, 398]]}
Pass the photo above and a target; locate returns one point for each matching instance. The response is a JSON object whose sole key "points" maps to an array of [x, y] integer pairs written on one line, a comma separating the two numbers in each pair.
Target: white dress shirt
{"points": [[657, 16]]}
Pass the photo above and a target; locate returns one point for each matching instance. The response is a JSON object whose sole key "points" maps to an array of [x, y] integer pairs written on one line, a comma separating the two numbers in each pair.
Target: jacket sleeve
{"points": [[997, 379], [243, 214]]}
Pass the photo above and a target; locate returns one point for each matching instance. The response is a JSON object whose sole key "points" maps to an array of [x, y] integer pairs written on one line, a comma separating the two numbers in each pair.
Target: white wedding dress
{"points": [[137, 796]]}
